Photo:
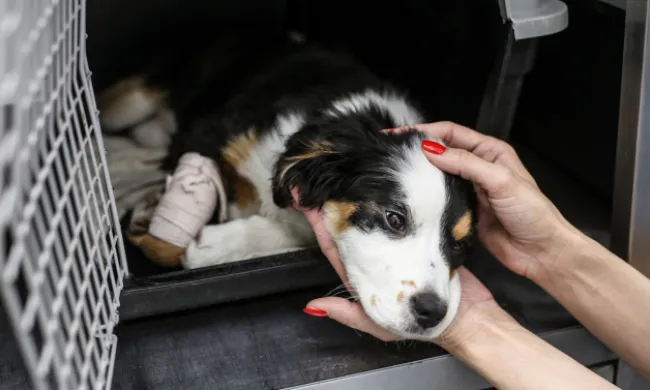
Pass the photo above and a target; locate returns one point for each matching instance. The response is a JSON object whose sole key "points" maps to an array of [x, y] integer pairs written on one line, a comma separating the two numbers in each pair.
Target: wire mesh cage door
{"points": [[62, 261]]}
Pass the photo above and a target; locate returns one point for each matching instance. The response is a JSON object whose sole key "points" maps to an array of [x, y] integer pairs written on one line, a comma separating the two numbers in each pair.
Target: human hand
{"points": [[476, 304], [517, 223]]}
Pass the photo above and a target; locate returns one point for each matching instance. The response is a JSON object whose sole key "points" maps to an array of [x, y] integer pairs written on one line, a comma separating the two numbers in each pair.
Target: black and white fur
{"points": [[277, 113]]}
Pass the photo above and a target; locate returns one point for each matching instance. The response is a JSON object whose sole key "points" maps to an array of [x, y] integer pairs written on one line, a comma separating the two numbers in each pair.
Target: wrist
{"points": [[509, 356], [479, 324], [568, 246], [581, 260]]}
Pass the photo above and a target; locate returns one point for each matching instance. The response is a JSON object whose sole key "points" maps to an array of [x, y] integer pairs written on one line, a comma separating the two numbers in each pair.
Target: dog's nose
{"points": [[428, 309]]}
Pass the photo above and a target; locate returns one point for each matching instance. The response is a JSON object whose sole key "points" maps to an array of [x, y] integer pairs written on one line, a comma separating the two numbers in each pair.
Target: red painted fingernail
{"points": [[433, 147], [315, 312]]}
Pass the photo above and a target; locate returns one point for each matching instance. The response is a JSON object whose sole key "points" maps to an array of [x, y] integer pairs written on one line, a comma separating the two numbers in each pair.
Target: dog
{"points": [[276, 112]]}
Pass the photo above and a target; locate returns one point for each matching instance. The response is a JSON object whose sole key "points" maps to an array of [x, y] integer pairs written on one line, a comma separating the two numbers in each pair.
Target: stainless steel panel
{"points": [[631, 207], [448, 373]]}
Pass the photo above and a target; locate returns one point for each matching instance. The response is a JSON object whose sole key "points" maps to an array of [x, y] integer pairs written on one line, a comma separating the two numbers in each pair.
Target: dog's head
{"points": [[402, 226]]}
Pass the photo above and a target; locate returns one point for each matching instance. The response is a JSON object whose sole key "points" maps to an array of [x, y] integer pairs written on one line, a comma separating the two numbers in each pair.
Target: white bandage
{"points": [[189, 201]]}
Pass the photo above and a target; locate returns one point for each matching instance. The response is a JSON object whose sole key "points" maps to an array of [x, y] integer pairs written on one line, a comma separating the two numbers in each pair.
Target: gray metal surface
{"points": [[607, 371], [628, 379], [631, 211], [616, 3], [446, 372], [535, 18], [631, 214]]}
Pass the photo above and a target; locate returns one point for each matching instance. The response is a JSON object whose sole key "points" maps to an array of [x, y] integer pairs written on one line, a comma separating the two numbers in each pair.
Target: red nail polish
{"points": [[315, 312], [433, 147]]}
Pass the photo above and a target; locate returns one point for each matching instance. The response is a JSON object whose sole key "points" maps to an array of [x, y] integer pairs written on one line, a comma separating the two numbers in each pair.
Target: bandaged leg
{"points": [[193, 192]]}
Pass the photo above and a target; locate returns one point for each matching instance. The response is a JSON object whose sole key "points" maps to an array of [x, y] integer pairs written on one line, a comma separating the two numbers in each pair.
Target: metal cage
{"points": [[62, 260]]}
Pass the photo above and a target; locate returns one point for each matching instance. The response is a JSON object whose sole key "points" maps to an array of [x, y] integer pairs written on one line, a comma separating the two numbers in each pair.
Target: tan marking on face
{"points": [[400, 297], [339, 214], [373, 300], [452, 273], [463, 226], [408, 283], [239, 149]]}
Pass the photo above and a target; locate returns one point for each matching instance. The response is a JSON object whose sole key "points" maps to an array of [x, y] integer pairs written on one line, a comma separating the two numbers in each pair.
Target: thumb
{"points": [[350, 314], [489, 176]]}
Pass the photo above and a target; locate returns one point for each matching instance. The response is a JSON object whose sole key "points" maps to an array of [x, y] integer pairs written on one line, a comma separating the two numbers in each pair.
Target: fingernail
{"points": [[433, 147], [315, 312]]}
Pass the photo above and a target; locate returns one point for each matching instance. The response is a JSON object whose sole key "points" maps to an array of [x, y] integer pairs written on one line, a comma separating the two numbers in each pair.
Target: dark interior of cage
{"points": [[445, 54]]}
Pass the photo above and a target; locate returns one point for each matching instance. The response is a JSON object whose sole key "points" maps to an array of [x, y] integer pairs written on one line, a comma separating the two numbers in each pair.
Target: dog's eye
{"points": [[395, 220], [458, 246]]}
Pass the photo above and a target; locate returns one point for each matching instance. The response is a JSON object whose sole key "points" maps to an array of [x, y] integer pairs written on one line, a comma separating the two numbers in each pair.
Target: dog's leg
{"points": [[156, 132], [246, 238], [127, 104]]}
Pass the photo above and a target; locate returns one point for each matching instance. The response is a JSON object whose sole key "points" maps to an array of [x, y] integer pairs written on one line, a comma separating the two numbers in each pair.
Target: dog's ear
{"points": [[334, 160], [313, 166]]}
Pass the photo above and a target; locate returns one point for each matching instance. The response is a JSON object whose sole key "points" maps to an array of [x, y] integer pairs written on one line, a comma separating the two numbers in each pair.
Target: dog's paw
{"points": [[217, 244], [240, 239]]}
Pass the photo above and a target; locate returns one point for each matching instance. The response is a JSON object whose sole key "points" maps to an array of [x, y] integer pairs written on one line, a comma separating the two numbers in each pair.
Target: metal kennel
{"points": [[62, 263]]}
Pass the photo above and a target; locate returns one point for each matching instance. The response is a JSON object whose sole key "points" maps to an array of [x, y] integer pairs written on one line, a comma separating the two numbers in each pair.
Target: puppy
{"points": [[276, 112]]}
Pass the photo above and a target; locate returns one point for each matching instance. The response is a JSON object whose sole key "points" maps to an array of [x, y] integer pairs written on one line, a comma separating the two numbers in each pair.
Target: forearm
{"points": [[608, 296], [511, 357]]}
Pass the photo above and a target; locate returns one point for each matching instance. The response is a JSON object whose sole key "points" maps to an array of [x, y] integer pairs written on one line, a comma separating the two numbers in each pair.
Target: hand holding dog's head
{"points": [[402, 226]]}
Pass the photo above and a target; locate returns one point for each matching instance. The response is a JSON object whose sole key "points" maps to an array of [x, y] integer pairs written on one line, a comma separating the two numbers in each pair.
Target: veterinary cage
{"points": [[66, 279]]}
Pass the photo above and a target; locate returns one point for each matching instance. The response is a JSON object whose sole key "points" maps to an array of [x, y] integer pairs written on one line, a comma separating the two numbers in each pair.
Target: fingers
{"points": [[481, 197], [461, 137], [500, 153], [325, 242], [455, 135], [351, 314], [489, 148], [490, 177]]}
